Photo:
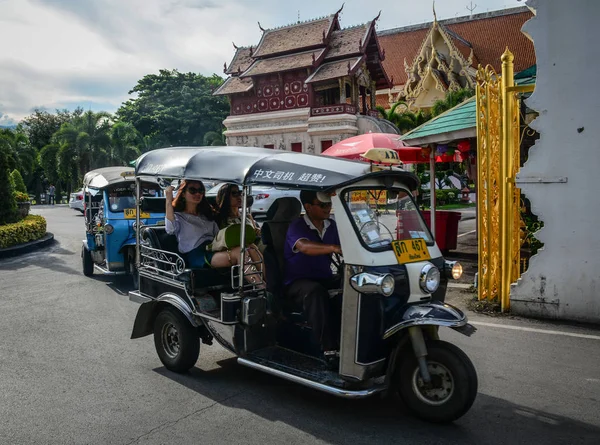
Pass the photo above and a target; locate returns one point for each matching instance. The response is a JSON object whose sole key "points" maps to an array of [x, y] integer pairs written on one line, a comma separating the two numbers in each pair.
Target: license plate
{"points": [[410, 250], [130, 214]]}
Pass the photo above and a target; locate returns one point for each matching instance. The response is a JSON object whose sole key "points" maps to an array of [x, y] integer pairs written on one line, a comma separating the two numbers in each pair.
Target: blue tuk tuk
{"points": [[110, 219]]}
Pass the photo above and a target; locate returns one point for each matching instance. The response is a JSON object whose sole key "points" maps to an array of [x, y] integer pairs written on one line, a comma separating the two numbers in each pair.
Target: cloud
{"points": [[69, 52]]}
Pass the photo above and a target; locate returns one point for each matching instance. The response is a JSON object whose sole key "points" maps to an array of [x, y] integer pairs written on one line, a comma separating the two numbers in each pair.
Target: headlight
{"points": [[430, 278], [108, 229], [453, 269], [368, 283]]}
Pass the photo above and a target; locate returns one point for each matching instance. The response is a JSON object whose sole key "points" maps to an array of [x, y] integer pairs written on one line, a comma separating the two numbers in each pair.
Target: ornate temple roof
{"points": [[242, 59], [310, 34], [333, 70], [285, 63], [348, 41], [486, 34], [234, 85]]}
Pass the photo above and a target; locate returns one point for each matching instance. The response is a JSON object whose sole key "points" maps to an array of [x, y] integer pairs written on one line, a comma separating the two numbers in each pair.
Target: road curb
{"points": [[466, 218], [20, 249]]}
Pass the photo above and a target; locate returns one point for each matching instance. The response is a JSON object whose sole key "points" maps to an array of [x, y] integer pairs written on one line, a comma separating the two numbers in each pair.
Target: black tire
{"points": [[457, 392], [177, 342], [86, 261]]}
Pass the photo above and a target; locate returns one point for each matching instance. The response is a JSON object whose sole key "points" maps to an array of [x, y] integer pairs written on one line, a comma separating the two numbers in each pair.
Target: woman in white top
{"points": [[190, 217]]}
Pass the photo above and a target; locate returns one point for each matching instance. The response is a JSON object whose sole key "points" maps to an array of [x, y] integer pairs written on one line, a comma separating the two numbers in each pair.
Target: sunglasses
{"points": [[323, 205], [194, 190], [236, 194]]}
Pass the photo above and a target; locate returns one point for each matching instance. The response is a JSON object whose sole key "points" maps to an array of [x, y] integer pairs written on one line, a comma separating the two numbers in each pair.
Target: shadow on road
{"points": [[41, 259], [491, 420]]}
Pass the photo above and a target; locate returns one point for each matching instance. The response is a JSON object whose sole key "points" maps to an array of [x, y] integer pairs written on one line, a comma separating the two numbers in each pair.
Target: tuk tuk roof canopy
{"points": [[103, 177], [108, 176], [260, 166]]}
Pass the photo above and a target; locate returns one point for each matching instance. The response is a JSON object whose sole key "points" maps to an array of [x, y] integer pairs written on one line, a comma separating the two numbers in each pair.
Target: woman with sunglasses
{"points": [[229, 203], [190, 217]]}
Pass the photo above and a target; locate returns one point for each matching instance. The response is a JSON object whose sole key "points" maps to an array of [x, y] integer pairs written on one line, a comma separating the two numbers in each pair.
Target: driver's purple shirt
{"points": [[299, 265]]}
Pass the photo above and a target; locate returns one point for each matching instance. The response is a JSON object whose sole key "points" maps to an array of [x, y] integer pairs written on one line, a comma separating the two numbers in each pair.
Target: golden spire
{"points": [[434, 14]]}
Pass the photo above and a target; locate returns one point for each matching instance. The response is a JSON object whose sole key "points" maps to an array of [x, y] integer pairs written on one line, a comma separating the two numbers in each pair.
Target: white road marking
{"points": [[466, 233], [539, 331]]}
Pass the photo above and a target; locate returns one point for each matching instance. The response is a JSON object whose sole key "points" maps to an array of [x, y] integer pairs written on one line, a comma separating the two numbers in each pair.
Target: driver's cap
{"points": [[323, 197]]}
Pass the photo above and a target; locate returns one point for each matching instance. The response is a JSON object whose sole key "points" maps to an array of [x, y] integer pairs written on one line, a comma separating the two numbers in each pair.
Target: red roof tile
{"points": [[294, 37], [488, 34], [284, 63]]}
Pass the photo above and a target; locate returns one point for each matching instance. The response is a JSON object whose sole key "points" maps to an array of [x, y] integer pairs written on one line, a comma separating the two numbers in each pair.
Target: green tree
{"points": [[17, 180], [40, 126], [84, 142], [173, 108], [124, 139], [405, 120], [452, 99], [8, 205], [214, 138]]}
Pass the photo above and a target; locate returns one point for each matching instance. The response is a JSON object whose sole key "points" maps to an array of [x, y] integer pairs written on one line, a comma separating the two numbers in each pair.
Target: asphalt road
{"points": [[69, 374]]}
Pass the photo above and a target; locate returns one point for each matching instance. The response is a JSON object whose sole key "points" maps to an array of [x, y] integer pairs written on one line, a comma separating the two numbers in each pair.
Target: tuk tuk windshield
{"points": [[383, 215], [122, 198]]}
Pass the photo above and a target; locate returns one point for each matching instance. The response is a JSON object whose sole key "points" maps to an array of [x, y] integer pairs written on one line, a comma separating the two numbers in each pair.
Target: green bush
{"points": [[8, 205], [17, 181], [447, 196], [21, 197], [31, 228]]}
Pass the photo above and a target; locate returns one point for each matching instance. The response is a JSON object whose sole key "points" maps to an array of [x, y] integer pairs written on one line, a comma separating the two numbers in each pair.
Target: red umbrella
{"points": [[354, 147]]}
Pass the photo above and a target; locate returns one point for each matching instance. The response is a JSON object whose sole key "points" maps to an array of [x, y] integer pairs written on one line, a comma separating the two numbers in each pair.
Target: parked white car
{"points": [[76, 200], [264, 197]]}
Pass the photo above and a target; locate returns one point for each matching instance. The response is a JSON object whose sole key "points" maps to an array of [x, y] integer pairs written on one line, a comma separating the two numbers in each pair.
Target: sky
{"points": [[57, 54]]}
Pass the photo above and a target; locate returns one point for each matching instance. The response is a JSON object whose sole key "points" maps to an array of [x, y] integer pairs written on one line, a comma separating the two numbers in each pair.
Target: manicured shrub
{"points": [[18, 182], [21, 197], [31, 228], [8, 205]]}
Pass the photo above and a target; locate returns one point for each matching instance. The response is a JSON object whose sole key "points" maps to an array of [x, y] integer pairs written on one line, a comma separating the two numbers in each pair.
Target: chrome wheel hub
{"points": [[439, 390], [170, 340]]}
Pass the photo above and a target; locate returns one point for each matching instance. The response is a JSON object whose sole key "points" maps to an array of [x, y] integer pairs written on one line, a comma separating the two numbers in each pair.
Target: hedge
{"points": [[30, 228]]}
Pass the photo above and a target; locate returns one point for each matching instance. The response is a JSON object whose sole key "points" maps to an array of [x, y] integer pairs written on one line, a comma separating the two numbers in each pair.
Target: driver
{"points": [[310, 241]]}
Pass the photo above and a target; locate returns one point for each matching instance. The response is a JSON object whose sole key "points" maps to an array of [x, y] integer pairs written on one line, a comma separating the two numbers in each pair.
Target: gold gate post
{"points": [[506, 179]]}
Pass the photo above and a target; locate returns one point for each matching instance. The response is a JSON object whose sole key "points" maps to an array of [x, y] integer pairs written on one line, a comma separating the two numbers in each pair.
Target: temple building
{"points": [[426, 61], [306, 86]]}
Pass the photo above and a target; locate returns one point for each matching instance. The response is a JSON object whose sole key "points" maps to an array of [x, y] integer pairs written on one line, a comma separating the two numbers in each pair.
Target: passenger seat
{"points": [[274, 230]]}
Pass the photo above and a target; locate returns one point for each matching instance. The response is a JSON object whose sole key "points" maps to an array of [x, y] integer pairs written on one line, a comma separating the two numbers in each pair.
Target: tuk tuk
{"points": [[393, 284], [110, 219]]}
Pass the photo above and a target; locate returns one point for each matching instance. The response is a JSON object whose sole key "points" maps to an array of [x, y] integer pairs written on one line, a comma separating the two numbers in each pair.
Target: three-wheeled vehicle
{"points": [[393, 283], [110, 219]]}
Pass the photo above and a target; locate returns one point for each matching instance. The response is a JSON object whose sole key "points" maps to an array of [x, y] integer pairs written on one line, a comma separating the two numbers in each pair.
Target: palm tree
{"points": [[452, 99], [85, 141], [405, 120], [124, 139]]}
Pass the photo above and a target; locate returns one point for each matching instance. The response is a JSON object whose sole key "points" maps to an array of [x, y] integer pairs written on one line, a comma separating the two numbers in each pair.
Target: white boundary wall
{"points": [[563, 280]]}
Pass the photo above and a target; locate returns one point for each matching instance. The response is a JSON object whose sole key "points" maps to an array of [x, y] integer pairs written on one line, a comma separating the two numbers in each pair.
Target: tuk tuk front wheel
{"points": [[87, 262], [176, 341], [453, 386]]}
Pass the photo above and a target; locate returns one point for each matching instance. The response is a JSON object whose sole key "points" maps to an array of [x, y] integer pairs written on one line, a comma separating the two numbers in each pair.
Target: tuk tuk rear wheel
{"points": [[87, 262], [176, 341], [453, 385]]}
